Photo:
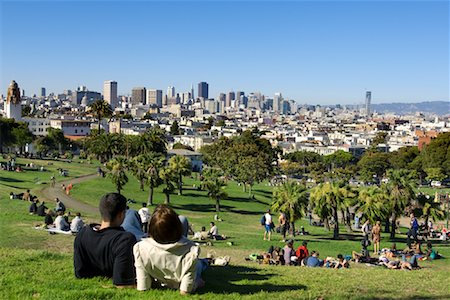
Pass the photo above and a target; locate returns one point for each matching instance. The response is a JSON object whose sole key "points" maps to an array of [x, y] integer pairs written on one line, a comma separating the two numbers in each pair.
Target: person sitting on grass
{"points": [[132, 223], [61, 223], [277, 256], [40, 211], [77, 223], [167, 257], [214, 232], [302, 251], [33, 207], [289, 253], [314, 261], [106, 249], [59, 206]]}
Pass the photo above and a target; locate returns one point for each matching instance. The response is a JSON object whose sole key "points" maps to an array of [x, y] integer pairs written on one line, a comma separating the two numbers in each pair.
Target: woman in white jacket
{"points": [[167, 258]]}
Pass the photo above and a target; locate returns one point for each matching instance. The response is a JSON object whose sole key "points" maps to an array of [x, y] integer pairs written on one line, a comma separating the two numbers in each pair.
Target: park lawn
{"points": [[34, 264]]}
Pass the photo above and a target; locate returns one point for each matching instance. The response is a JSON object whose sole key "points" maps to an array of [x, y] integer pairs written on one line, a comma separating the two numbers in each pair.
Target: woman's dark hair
{"points": [[165, 226], [111, 205]]}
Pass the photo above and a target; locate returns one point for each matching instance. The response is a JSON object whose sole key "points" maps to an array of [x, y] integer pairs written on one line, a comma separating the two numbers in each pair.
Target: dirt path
{"points": [[50, 193]]}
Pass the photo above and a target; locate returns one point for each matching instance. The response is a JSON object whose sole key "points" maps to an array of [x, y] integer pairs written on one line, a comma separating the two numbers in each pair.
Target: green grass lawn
{"points": [[34, 264]]}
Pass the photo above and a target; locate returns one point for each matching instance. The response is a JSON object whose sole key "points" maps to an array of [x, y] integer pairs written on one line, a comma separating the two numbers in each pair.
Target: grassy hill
{"points": [[36, 265]]}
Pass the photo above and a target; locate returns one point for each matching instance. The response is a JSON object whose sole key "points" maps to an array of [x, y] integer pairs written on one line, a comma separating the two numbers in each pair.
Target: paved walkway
{"points": [[50, 193]]}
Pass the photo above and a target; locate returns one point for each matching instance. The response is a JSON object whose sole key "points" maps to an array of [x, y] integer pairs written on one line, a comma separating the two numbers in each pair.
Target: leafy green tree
{"points": [[181, 166], [305, 159], [290, 198], [169, 178], [403, 158], [373, 204], [181, 146], [175, 128], [215, 188], [118, 174], [380, 138], [101, 109], [338, 159], [6, 134], [327, 198], [428, 209], [373, 165], [400, 192], [153, 163], [137, 167], [22, 135], [435, 174], [437, 153]]}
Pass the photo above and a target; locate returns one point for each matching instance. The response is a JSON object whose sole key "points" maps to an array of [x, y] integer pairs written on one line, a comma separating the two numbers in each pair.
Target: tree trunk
{"points": [[393, 225], [217, 205], [98, 124], [249, 190], [180, 185], [387, 226], [245, 187], [167, 201], [150, 196], [326, 223], [348, 223], [336, 224], [141, 184]]}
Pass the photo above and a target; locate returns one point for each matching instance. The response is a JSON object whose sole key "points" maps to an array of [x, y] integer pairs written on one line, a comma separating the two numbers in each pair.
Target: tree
{"points": [[290, 198], [153, 140], [399, 191], [118, 168], [435, 174], [153, 163], [373, 165], [101, 109], [437, 153], [373, 204], [215, 188], [169, 178], [380, 138], [137, 168], [180, 166], [182, 146], [175, 128], [327, 198], [428, 209]]}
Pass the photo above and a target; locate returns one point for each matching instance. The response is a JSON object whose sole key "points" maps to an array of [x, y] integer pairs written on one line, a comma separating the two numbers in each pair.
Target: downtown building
{"points": [[110, 93]]}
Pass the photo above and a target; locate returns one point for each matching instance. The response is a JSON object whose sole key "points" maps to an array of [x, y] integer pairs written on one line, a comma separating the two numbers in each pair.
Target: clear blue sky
{"points": [[316, 52]]}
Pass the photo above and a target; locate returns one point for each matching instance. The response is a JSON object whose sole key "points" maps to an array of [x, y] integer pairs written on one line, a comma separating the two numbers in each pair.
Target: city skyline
{"points": [[315, 53]]}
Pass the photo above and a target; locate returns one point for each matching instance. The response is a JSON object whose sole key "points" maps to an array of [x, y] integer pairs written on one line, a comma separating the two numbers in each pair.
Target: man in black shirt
{"points": [[106, 249]]}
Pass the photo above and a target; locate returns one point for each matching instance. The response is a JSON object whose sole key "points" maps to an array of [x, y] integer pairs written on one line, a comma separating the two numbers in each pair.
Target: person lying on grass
{"points": [[106, 249], [168, 258]]}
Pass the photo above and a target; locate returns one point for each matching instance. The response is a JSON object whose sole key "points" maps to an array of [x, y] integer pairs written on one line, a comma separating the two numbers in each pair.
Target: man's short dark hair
{"points": [[144, 204], [111, 205], [165, 226]]}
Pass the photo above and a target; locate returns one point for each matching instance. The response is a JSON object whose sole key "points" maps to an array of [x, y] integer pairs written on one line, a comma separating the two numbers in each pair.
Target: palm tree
{"points": [[153, 162], [153, 140], [428, 208], [372, 204], [215, 188], [400, 192], [101, 109], [290, 198], [349, 199], [118, 167], [180, 166], [137, 168], [169, 177], [327, 198]]}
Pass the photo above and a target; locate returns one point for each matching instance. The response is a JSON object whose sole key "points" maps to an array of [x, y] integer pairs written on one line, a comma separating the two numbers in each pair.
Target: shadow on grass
{"points": [[7, 179], [202, 207], [245, 212], [409, 298], [243, 199], [225, 280]]}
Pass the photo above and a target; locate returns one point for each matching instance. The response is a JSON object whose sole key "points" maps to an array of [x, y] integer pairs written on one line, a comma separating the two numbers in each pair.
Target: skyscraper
{"points": [[154, 97], [110, 93], [368, 100], [277, 102], [138, 95], [170, 92], [229, 98], [203, 90], [43, 93]]}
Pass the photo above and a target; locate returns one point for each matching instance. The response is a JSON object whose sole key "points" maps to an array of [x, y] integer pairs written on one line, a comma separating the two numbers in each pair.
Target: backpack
{"points": [[263, 220]]}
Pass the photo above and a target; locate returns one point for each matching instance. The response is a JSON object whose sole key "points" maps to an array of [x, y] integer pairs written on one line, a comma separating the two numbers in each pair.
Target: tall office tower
{"points": [[238, 98], [110, 93], [192, 92], [222, 97], [170, 92], [43, 92], [154, 97], [368, 100], [229, 98], [203, 90], [184, 98], [277, 102], [138, 95]]}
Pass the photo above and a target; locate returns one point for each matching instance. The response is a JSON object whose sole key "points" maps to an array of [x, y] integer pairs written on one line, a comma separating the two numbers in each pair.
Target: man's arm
{"points": [[124, 273]]}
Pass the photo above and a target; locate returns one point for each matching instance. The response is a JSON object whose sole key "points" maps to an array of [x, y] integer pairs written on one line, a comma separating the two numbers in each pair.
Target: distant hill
{"points": [[431, 107]]}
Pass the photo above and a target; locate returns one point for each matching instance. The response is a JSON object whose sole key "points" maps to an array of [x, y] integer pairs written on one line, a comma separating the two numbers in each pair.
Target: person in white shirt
{"points": [[77, 223], [167, 257], [145, 217], [267, 225], [61, 223]]}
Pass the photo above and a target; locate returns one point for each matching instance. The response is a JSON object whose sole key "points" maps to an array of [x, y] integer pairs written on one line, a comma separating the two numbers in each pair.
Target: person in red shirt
{"points": [[302, 251]]}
